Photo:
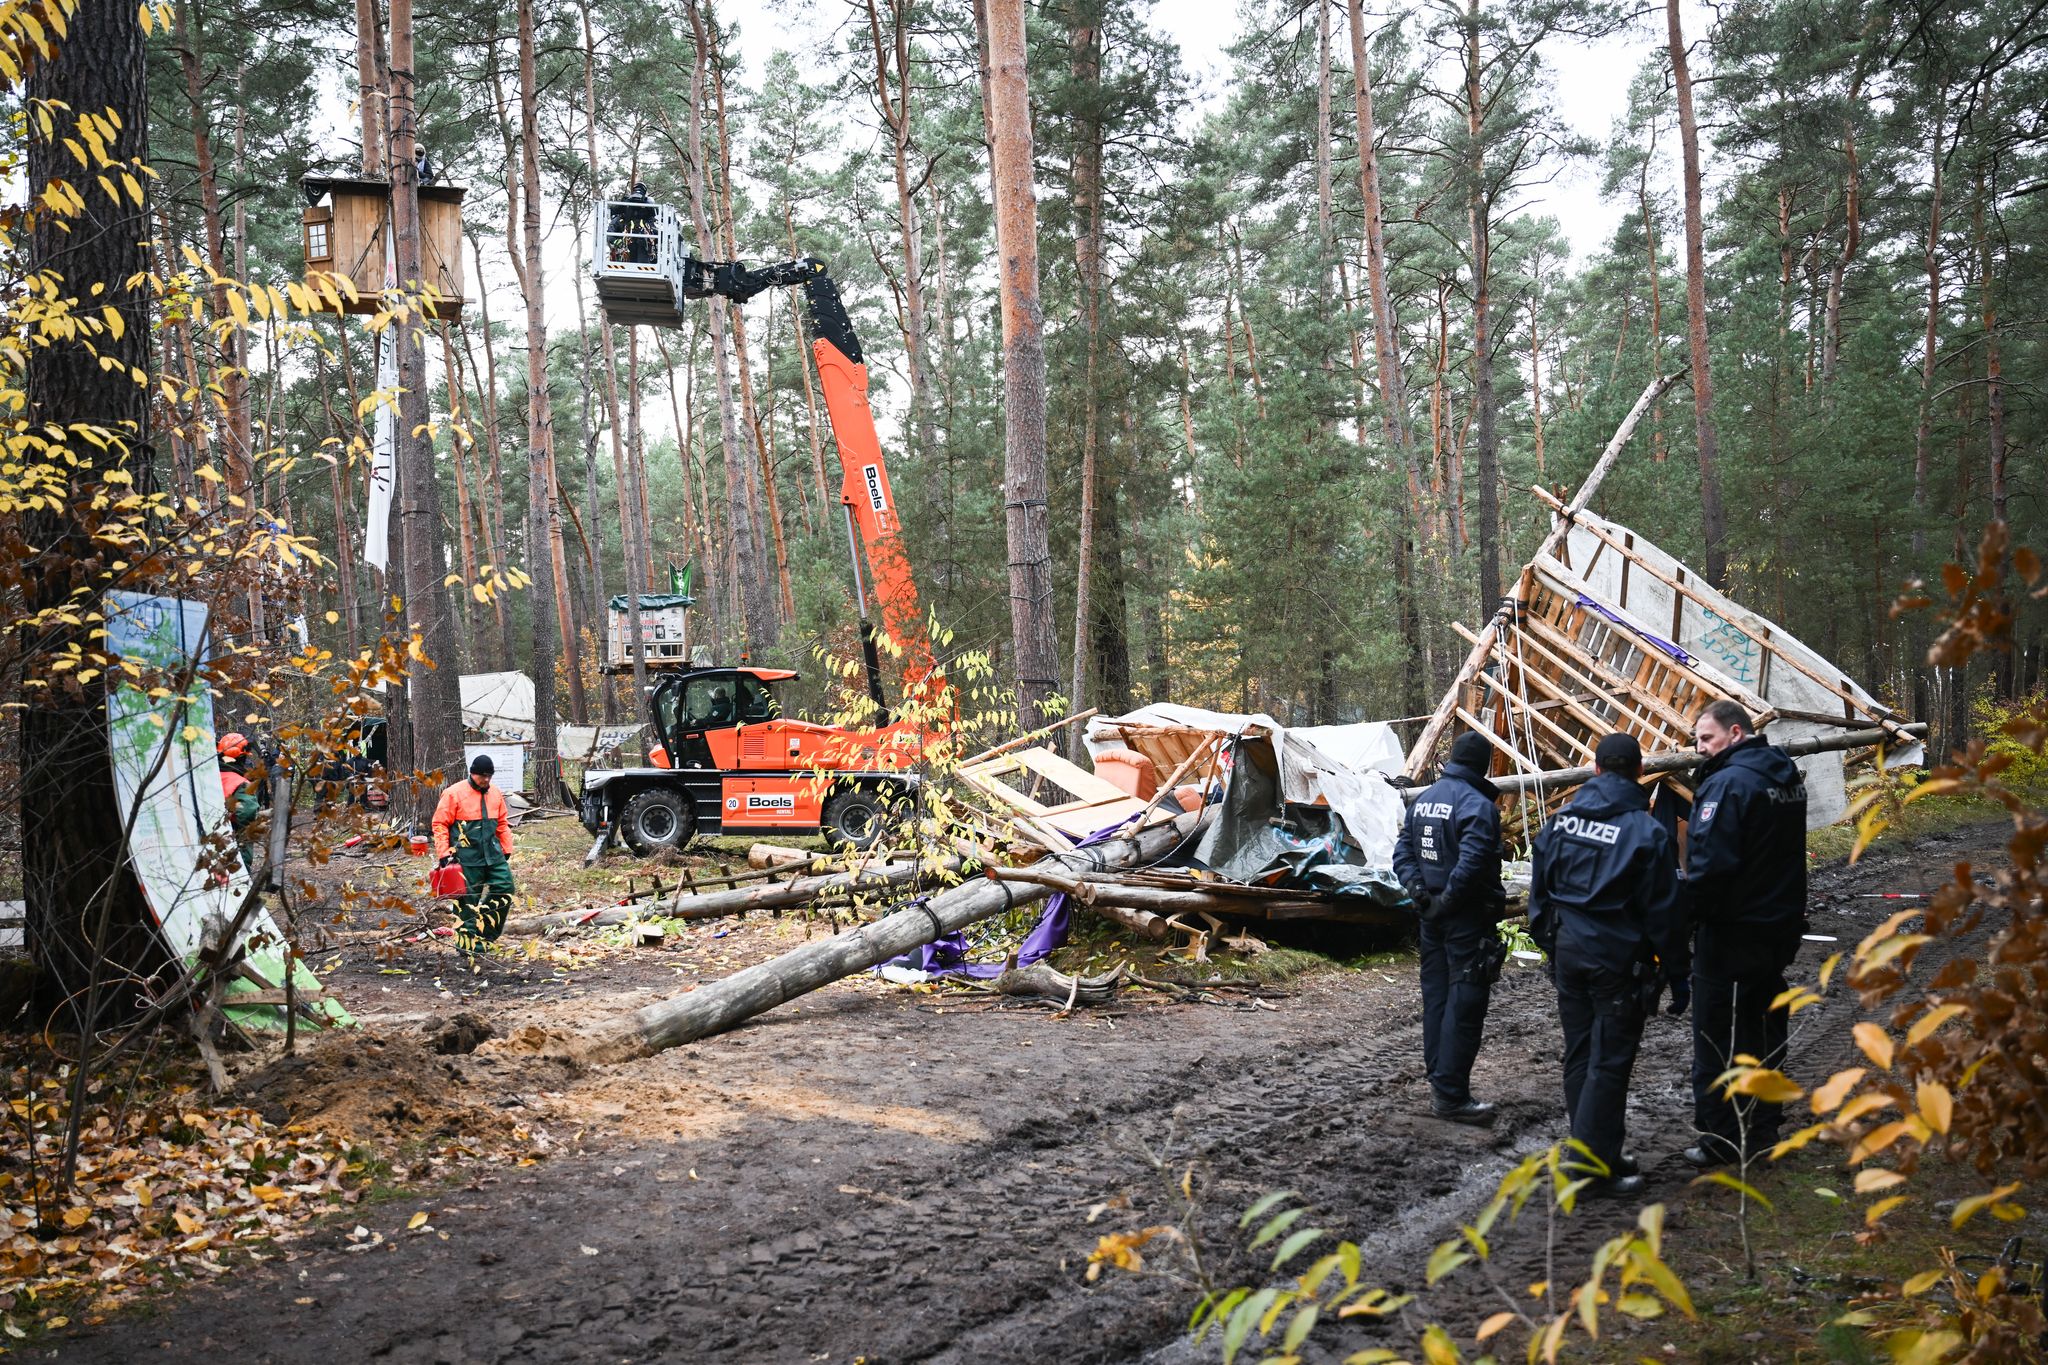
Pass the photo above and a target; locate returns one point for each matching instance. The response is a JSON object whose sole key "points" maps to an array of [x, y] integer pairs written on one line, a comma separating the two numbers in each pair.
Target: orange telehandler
{"points": [[735, 763]]}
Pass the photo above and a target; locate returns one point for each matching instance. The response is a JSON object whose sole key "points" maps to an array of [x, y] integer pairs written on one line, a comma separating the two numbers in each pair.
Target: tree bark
{"points": [[1923, 434], [757, 592], [1479, 209], [721, 1005], [233, 380], [540, 439], [1852, 233], [1713, 522], [1084, 41], [372, 88], [1026, 518], [493, 511], [1393, 401], [896, 114], [86, 919], [433, 683]]}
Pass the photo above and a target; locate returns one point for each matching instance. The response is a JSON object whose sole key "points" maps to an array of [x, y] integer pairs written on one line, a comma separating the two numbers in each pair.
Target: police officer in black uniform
{"points": [[1603, 903], [1746, 891], [1448, 859]]}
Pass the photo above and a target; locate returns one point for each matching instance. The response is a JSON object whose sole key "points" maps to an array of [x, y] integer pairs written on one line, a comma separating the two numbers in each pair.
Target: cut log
{"points": [[755, 990], [736, 901], [778, 855]]}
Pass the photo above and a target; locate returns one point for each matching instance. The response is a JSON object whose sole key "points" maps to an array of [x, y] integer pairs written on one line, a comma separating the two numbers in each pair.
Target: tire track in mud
{"points": [[796, 1236]]}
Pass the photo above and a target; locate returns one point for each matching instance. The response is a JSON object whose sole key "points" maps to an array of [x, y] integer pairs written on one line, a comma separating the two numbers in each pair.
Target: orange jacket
{"points": [[463, 802]]}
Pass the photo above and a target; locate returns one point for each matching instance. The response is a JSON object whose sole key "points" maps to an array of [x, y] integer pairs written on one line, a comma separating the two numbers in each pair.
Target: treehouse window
{"points": [[317, 248]]}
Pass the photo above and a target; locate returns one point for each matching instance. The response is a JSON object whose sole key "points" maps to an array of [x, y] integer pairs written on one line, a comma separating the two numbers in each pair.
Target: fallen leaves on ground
{"points": [[169, 1188]]}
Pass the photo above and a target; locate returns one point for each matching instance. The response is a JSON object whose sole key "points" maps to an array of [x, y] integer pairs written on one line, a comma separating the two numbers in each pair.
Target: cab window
{"points": [[756, 702], [708, 703]]}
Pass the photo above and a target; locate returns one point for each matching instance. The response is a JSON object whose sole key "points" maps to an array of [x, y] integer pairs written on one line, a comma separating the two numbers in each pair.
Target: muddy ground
{"points": [[888, 1175]]}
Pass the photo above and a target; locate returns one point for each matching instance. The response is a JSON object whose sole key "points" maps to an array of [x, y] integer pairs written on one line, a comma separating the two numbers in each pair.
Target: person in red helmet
{"points": [[239, 793]]}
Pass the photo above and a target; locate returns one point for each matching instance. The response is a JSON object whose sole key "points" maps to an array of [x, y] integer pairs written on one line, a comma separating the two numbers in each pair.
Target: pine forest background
{"points": [[1279, 521]]}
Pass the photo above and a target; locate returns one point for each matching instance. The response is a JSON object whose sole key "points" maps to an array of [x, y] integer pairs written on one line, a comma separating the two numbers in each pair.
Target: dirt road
{"points": [[886, 1176]]}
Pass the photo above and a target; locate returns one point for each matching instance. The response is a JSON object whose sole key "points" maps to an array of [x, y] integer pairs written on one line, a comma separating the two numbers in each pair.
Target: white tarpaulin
{"points": [[383, 454], [498, 704], [1663, 598], [1330, 763], [501, 705]]}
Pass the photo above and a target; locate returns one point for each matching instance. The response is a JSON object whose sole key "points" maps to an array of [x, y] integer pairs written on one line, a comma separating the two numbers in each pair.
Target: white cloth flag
{"points": [[383, 454]]}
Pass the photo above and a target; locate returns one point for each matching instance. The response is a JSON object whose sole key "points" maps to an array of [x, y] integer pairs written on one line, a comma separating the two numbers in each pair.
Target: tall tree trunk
{"points": [[1852, 231], [434, 683], [540, 437], [233, 383], [1657, 451], [496, 548], [459, 443], [593, 541], [1923, 433], [1479, 210], [636, 531], [371, 89], [897, 115], [749, 411], [1026, 519], [86, 920], [1713, 523], [803, 350], [1386, 354], [757, 592], [1084, 41]]}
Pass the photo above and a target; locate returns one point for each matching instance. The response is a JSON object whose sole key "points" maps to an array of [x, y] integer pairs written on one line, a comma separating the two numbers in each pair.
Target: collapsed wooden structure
{"points": [[1602, 632]]}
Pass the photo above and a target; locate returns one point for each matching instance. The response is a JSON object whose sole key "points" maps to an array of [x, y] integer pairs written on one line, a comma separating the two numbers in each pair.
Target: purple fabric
{"points": [[1632, 628], [947, 956]]}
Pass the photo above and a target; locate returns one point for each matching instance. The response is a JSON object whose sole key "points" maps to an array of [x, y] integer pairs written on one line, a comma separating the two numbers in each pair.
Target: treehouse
{"points": [[347, 233]]}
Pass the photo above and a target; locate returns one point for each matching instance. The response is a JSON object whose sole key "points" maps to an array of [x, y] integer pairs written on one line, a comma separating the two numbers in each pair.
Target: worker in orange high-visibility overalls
{"points": [[472, 826], [240, 794]]}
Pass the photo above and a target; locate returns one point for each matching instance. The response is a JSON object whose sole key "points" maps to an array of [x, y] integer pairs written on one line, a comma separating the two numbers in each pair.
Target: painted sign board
{"points": [[167, 774]]}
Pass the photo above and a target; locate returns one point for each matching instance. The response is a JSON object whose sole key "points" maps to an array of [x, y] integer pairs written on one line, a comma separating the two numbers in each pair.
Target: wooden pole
{"points": [[1545, 783], [1432, 733], [721, 1005]]}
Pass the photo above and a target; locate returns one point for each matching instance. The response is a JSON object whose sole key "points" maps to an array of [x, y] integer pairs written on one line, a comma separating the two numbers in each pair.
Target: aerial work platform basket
{"points": [[636, 260]]}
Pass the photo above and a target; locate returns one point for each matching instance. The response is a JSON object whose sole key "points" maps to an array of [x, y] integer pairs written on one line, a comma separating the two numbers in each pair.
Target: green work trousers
{"points": [[480, 912]]}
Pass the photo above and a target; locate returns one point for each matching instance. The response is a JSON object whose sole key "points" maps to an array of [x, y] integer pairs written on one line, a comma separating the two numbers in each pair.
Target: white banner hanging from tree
{"points": [[383, 454]]}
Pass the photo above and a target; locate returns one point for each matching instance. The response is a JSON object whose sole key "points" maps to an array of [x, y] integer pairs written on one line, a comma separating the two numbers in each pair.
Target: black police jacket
{"points": [[1603, 890], [1450, 847], [1746, 852]]}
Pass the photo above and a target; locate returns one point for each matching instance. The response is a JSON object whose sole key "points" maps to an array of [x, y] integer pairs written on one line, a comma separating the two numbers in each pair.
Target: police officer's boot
{"points": [[1473, 1113], [1617, 1187]]}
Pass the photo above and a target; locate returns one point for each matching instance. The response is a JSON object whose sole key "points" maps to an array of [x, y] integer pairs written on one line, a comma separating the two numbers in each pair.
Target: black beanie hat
{"points": [[1620, 754], [1472, 751], [482, 764]]}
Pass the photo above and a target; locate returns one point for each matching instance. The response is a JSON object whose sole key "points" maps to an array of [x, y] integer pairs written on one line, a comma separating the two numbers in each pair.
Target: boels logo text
{"points": [[759, 801]]}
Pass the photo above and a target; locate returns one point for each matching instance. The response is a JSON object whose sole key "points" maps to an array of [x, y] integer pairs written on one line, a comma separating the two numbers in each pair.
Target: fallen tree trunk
{"points": [[722, 1004], [737, 901], [1689, 758]]}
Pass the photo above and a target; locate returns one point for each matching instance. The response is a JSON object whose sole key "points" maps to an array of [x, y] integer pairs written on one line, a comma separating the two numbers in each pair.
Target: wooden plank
{"points": [[1571, 741], [1643, 705], [1085, 786], [1536, 641]]}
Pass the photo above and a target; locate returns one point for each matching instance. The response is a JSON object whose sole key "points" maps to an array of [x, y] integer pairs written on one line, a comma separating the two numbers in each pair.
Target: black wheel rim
{"points": [[657, 824]]}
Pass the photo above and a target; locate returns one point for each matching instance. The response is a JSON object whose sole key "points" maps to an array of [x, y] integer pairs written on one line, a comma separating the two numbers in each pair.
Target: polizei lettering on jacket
{"points": [[1592, 831]]}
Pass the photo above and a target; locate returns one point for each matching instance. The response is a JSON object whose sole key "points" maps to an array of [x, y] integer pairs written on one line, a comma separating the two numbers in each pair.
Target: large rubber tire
{"points": [[656, 819], [855, 818]]}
